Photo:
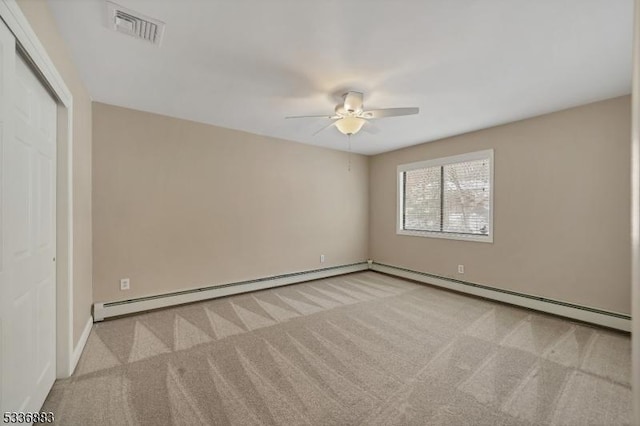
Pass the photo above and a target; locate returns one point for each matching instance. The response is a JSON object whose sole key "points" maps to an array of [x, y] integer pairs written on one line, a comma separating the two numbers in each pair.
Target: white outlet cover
{"points": [[124, 284]]}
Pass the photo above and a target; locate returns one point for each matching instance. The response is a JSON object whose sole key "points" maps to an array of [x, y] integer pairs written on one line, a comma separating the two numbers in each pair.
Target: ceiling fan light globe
{"points": [[350, 125]]}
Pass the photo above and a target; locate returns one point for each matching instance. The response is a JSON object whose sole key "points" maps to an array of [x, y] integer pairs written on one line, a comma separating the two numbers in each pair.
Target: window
{"points": [[448, 197]]}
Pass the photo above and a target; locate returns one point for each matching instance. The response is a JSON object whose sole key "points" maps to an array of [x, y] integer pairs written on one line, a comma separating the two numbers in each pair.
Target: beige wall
{"points": [[561, 212], [180, 205], [40, 18]]}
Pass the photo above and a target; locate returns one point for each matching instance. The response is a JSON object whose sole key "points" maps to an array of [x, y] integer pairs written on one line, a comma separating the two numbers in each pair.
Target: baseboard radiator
{"points": [[582, 313], [125, 307]]}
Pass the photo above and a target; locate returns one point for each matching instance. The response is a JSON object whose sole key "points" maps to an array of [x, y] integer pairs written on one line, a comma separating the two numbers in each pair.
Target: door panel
{"points": [[19, 170], [27, 190]]}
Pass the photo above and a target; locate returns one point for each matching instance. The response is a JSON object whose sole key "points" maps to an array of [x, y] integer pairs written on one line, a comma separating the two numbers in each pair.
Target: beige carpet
{"points": [[363, 349]]}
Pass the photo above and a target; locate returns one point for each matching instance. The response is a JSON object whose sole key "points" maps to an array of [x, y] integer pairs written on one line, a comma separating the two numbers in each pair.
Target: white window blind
{"points": [[447, 198], [422, 190]]}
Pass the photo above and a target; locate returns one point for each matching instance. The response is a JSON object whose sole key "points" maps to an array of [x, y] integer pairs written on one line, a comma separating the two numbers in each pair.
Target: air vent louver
{"points": [[135, 24]]}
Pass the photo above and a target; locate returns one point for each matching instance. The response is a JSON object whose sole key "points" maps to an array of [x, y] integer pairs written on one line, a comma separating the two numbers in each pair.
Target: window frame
{"points": [[439, 162]]}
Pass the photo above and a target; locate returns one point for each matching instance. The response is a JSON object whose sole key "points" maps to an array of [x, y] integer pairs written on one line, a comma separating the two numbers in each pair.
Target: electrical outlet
{"points": [[124, 284], [461, 269], [322, 258]]}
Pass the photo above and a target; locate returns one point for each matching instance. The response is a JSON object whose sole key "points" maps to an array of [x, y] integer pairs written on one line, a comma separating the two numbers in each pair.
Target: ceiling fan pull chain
{"points": [[349, 151]]}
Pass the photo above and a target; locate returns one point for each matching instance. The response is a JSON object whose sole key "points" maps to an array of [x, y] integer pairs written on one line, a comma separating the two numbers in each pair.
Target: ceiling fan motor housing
{"points": [[353, 103]]}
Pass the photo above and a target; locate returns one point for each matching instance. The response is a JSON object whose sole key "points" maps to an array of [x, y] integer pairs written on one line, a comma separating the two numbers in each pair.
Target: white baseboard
{"points": [[569, 310], [77, 351], [112, 309]]}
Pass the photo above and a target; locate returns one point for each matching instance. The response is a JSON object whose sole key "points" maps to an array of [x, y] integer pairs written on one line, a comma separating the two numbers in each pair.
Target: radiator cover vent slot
{"points": [[134, 24]]}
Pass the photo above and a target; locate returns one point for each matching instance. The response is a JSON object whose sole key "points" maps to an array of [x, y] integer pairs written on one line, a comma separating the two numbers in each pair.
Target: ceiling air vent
{"points": [[134, 24]]}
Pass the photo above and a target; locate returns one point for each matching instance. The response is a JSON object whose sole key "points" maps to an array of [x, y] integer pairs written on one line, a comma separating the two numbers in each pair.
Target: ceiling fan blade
{"points": [[371, 128], [353, 101], [325, 127], [310, 116], [390, 112]]}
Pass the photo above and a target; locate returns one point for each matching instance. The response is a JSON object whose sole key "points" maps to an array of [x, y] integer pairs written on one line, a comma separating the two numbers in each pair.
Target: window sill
{"points": [[459, 237]]}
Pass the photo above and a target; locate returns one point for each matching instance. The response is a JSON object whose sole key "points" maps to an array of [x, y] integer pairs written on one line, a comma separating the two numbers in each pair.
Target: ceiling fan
{"points": [[350, 116]]}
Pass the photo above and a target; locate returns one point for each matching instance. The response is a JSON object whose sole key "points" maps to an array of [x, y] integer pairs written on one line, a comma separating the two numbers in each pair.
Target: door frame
{"points": [[29, 46], [635, 219]]}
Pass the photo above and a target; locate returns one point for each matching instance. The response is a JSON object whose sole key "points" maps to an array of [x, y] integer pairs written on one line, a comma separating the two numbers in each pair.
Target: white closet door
{"points": [[27, 231]]}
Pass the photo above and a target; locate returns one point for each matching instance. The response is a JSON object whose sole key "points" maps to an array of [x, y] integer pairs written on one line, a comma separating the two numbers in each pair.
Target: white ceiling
{"points": [[246, 64]]}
